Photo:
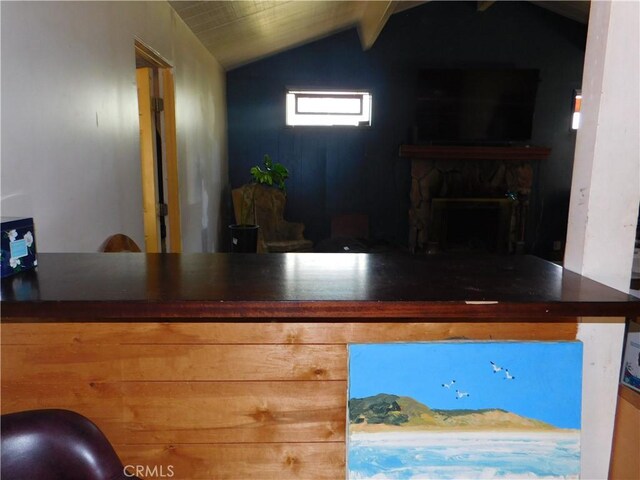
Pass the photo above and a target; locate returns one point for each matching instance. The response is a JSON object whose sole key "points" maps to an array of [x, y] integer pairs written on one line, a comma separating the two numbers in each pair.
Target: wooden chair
{"points": [[265, 205], [353, 225], [119, 243]]}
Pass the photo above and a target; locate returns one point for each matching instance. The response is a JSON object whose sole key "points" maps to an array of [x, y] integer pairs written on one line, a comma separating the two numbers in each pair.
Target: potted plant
{"points": [[244, 235], [273, 174]]}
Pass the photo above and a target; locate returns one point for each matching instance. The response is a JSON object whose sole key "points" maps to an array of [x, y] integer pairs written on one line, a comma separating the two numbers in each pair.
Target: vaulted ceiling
{"points": [[239, 32]]}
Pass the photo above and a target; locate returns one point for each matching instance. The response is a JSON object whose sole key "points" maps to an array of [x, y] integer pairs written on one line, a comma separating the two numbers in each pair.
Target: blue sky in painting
{"points": [[547, 383]]}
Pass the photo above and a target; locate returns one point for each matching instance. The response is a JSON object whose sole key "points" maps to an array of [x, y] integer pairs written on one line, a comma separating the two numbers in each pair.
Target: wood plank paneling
{"points": [[312, 461], [216, 400], [197, 363], [237, 32], [196, 412], [177, 332], [625, 461]]}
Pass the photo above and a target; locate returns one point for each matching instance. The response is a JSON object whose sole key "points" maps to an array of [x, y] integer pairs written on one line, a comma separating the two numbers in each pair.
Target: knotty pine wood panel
{"points": [[625, 462], [276, 409], [196, 412], [308, 461], [104, 363], [178, 332]]}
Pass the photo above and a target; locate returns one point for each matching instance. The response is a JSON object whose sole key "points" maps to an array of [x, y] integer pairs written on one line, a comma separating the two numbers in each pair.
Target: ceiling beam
{"points": [[484, 5], [576, 10], [374, 18]]}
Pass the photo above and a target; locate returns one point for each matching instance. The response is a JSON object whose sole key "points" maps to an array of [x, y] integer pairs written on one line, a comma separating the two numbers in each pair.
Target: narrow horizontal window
{"points": [[325, 108]]}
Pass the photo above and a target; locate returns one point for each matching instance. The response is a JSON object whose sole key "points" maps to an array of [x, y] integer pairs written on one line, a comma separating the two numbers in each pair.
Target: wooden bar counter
{"points": [[230, 366]]}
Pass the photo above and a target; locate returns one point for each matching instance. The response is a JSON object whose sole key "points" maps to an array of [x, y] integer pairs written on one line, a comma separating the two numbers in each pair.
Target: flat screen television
{"points": [[475, 107]]}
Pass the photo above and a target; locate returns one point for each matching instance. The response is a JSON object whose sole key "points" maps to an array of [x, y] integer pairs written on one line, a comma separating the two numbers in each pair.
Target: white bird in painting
{"points": [[495, 367], [460, 394], [448, 385], [508, 376]]}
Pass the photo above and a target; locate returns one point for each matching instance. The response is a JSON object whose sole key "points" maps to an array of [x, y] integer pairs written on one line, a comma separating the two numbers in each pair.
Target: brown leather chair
{"points": [[265, 206], [56, 445]]}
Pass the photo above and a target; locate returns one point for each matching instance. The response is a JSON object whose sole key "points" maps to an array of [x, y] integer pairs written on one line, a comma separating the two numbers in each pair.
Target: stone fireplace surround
{"points": [[469, 174]]}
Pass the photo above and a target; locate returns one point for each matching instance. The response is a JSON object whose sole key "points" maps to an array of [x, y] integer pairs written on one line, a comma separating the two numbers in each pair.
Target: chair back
{"points": [[119, 243], [56, 445], [264, 206]]}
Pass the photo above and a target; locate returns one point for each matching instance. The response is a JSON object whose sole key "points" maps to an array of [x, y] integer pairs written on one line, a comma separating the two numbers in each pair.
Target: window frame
{"points": [[295, 115]]}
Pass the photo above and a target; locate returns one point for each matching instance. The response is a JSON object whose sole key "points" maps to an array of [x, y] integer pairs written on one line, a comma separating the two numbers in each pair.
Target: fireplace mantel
{"points": [[453, 152]]}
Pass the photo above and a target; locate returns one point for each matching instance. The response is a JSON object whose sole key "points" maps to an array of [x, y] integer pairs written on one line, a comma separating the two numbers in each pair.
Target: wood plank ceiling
{"points": [[239, 32]]}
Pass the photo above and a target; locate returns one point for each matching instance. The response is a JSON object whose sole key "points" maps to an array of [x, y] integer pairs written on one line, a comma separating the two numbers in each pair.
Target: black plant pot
{"points": [[244, 238]]}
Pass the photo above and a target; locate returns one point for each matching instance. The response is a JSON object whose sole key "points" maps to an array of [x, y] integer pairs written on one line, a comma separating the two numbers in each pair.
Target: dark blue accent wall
{"points": [[348, 170]]}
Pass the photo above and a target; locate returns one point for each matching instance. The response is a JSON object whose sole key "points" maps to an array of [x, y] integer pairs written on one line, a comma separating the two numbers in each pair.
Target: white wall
{"points": [[70, 142], [605, 194]]}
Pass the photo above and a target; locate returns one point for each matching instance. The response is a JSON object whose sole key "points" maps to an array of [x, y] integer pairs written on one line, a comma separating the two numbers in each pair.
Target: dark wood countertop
{"points": [[303, 285]]}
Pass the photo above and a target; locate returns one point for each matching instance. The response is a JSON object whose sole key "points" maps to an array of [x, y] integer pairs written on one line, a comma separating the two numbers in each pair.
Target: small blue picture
{"points": [[18, 246]]}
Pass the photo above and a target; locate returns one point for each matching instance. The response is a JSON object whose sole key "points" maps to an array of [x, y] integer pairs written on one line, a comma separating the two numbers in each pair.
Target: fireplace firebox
{"points": [[480, 225]]}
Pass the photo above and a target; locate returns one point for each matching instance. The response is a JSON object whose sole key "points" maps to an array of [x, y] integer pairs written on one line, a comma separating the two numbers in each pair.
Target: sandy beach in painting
{"points": [[422, 436], [464, 455]]}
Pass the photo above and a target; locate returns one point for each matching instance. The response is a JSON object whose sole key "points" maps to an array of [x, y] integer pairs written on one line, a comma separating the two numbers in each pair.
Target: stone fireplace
{"points": [[470, 198]]}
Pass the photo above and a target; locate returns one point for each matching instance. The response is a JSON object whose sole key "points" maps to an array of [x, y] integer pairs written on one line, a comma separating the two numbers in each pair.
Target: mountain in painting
{"points": [[385, 411]]}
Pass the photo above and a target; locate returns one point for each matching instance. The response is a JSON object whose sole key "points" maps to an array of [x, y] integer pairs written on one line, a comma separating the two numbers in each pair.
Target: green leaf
{"points": [[272, 174]]}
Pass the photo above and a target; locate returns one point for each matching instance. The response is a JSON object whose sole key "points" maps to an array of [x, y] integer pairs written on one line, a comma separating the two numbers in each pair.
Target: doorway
{"points": [[158, 152]]}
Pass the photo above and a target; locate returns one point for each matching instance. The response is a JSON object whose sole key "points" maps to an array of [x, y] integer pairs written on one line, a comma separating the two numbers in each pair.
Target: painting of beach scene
{"points": [[464, 410]]}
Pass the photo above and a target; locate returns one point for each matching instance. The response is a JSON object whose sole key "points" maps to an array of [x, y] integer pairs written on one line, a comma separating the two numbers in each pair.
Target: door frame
{"points": [[156, 69]]}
